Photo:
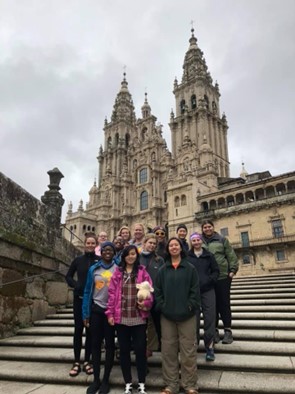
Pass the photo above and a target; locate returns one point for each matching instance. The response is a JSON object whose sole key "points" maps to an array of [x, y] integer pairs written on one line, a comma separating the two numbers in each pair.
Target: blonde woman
{"points": [[138, 236]]}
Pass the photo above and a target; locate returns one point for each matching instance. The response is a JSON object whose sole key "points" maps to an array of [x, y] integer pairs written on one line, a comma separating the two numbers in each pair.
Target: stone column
{"points": [[53, 200]]}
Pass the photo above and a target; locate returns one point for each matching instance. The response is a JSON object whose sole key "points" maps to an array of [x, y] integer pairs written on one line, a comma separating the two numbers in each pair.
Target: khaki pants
{"points": [[179, 336]]}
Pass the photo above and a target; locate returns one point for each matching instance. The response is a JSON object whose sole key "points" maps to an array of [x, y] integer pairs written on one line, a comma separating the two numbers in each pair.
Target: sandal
{"points": [[87, 368], [76, 369]]}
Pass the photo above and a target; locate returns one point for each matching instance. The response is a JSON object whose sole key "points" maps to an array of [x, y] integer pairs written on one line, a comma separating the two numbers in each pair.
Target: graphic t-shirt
{"points": [[102, 278]]}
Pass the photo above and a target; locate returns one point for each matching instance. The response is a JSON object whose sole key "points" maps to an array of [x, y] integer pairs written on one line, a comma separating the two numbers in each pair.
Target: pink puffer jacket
{"points": [[115, 294]]}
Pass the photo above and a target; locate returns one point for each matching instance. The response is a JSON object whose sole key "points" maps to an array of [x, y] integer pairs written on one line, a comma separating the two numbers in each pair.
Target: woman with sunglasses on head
{"points": [[160, 233], [152, 263], [178, 298], [76, 278], [208, 272], [228, 266], [94, 306], [129, 315]]}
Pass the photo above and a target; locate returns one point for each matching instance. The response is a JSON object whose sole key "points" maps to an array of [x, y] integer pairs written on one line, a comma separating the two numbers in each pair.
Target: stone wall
{"points": [[33, 258]]}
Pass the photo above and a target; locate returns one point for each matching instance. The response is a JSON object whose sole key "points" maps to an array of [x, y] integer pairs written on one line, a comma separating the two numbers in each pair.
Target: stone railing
{"points": [[33, 256]]}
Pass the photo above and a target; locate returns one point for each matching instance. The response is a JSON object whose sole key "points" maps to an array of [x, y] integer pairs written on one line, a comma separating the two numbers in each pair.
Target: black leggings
{"points": [[78, 332], [136, 335], [100, 330], [223, 309]]}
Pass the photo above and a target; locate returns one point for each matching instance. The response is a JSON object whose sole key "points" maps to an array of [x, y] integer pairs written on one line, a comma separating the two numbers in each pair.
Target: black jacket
{"points": [[80, 265], [207, 268], [177, 291], [152, 264]]}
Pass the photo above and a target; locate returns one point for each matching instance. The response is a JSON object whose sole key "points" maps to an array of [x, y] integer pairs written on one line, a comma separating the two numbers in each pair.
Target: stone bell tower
{"points": [[199, 137]]}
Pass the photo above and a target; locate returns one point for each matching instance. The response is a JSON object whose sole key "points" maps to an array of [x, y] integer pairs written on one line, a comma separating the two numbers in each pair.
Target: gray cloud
{"points": [[62, 61]]}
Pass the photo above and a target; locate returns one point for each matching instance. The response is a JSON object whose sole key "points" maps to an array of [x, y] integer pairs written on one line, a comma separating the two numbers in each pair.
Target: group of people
{"points": [[185, 278]]}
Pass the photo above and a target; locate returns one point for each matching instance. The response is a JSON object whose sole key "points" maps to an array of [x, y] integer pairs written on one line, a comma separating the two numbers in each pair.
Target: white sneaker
{"points": [[141, 388], [128, 388]]}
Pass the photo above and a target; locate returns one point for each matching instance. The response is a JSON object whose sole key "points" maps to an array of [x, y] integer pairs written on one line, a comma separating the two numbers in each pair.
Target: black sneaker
{"points": [[104, 387], [93, 388], [216, 336], [141, 388], [210, 356], [228, 337], [128, 388]]}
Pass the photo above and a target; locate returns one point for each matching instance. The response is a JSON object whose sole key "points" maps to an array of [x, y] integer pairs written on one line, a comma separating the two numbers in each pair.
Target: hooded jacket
{"points": [[223, 252], [114, 308], [207, 268], [88, 292]]}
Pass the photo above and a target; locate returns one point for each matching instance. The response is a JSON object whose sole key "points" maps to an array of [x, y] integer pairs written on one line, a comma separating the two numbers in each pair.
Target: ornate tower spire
{"points": [[194, 65], [145, 109], [123, 108]]}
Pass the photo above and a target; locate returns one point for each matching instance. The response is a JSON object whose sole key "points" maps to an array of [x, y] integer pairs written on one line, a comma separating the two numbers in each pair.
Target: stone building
{"points": [[140, 180]]}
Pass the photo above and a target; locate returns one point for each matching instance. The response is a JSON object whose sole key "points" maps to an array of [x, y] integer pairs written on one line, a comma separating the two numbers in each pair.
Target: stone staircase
{"points": [[260, 360]]}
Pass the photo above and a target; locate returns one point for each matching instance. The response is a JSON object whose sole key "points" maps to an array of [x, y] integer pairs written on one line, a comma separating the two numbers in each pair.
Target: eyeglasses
{"points": [[159, 233]]}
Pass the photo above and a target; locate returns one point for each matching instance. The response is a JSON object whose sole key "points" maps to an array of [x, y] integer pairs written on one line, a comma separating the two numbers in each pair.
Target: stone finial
{"points": [[55, 176], [53, 199]]}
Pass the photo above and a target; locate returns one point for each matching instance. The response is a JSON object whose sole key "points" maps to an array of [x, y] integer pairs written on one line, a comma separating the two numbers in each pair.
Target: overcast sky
{"points": [[61, 65]]}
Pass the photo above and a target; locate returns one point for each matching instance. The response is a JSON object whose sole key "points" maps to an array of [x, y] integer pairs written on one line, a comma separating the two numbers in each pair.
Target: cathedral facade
{"points": [[140, 180]]}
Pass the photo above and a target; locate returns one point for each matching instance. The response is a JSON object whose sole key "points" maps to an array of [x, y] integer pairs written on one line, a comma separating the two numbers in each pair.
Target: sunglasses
{"points": [[159, 233]]}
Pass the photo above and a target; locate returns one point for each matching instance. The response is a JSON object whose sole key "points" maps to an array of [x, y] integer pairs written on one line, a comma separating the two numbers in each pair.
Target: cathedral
{"points": [[140, 180]]}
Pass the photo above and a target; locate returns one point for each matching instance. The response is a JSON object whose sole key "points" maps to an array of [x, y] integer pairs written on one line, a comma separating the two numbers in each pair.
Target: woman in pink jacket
{"points": [[130, 315]]}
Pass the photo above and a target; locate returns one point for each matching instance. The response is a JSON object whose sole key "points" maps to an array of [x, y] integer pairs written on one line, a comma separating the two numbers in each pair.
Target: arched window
{"points": [[194, 101], [153, 156], [117, 139], [144, 203], [182, 106], [110, 142], [165, 196], [214, 107], [206, 101], [127, 139], [143, 175], [84, 227], [183, 199], [176, 201]]}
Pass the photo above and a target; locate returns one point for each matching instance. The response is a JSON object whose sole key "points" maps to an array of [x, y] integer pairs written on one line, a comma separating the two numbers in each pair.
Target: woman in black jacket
{"points": [[80, 266], [208, 272]]}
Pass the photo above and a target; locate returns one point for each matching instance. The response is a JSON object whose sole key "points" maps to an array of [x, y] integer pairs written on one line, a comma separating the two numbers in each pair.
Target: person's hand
{"points": [[111, 321], [231, 274], [86, 323], [140, 304]]}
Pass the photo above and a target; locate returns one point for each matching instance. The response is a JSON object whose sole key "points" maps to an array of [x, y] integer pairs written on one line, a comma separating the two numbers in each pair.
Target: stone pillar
{"points": [[53, 199]]}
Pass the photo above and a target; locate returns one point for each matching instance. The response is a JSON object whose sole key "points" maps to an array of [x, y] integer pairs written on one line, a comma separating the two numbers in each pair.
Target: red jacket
{"points": [[115, 294]]}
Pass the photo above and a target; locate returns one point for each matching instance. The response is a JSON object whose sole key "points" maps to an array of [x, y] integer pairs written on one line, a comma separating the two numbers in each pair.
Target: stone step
{"points": [[19, 348], [60, 321], [254, 295], [229, 381], [261, 278], [260, 334], [260, 301], [269, 291], [236, 308], [237, 323]]}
